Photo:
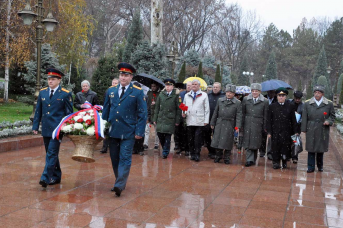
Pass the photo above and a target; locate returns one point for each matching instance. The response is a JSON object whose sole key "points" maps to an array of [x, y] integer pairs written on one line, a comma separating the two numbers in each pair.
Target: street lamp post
{"points": [[251, 74], [173, 57], [28, 15]]}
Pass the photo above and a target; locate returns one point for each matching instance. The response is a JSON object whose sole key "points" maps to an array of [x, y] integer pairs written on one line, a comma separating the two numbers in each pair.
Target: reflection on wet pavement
{"points": [[174, 192]]}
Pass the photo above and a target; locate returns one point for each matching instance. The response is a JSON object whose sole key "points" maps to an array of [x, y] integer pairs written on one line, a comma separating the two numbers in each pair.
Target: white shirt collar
{"points": [[120, 88], [318, 102], [55, 89]]}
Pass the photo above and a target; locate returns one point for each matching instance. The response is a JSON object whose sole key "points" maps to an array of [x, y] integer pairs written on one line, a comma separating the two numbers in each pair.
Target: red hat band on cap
{"points": [[125, 70], [55, 74]]}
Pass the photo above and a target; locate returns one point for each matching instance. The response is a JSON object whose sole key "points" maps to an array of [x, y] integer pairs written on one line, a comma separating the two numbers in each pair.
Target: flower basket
{"points": [[85, 128], [84, 147]]}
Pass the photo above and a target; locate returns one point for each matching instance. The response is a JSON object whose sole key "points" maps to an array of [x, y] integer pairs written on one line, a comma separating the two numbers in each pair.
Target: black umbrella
{"points": [[147, 80]]}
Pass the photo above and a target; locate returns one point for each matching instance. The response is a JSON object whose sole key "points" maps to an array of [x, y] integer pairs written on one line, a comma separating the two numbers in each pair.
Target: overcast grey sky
{"points": [[287, 14]]}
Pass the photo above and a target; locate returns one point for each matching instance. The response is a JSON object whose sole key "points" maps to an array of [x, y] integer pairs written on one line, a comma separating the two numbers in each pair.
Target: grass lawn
{"points": [[15, 111]]}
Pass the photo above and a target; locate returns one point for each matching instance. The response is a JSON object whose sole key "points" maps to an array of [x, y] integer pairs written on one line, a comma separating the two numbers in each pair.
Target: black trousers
{"points": [[311, 160], [219, 154], [165, 142], [183, 136], [282, 153], [105, 144], [195, 139], [208, 139]]}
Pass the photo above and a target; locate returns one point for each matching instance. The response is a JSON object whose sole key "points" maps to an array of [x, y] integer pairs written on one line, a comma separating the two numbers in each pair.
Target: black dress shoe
{"points": [[117, 191], [178, 152], [216, 160], [310, 170], [295, 161], [248, 164], [145, 147], [284, 165], [187, 153], [52, 182], [262, 155], [192, 157], [141, 153], [276, 166], [164, 156], [197, 159], [156, 148], [103, 151], [320, 169], [43, 183], [227, 162]]}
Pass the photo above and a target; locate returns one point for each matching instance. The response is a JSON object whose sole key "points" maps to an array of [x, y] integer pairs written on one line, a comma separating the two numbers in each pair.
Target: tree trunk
{"points": [[7, 64]]}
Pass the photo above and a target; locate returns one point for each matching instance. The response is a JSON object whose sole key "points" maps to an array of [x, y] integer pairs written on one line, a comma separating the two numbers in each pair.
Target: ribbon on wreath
{"points": [[98, 121]]}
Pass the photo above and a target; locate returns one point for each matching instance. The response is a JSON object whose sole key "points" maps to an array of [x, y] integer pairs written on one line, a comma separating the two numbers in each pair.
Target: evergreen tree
{"points": [[182, 75], [309, 92], [200, 73], [243, 79], [271, 71], [341, 94], [150, 59], [322, 80], [118, 50], [321, 71], [300, 87], [339, 84], [218, 77], [134, 37], [340, 71], [76, 77], [234, 80], [103, 75], [49, 60], [191, 58]]}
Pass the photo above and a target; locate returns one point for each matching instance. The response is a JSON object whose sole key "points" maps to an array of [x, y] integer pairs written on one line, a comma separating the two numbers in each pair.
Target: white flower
{"points": [[67, 128], [90, 131], [86, 118], [81, 113], [77, 117], [78, 126]]}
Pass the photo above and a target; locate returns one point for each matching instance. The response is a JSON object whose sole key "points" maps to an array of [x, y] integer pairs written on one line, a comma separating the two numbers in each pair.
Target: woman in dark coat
{"points": [[281, 125], [85, 95]]}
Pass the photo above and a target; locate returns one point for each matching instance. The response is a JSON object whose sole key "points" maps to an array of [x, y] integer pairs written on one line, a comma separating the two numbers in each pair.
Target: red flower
{"points": [[154, 95], [150, 125], [88, 122], [186, 108], [82, 91], [295, 141], [325, 113], [80, 120], [182, 106], [72, 121], [236, 128]]}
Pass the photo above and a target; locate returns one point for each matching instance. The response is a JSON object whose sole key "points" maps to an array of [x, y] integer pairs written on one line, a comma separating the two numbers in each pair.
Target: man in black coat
{"points": [[213, 97], [281, 125], [271, 99], [298, 108]]}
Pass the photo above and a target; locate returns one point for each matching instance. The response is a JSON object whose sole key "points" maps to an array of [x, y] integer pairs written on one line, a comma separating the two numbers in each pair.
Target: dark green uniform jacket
{"points": [[151, 102], [167, 112], [317, 135]]}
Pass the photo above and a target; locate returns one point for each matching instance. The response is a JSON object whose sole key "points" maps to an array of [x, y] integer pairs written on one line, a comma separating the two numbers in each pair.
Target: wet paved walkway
{"points": [[175, 192]]}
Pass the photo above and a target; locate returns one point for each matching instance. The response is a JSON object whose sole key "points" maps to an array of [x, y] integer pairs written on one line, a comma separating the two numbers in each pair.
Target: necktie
{"points": [[122, 92], [254, 100], [51, 93]]}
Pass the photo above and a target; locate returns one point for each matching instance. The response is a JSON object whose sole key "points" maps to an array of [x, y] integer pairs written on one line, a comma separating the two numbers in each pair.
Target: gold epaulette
{"points": [[308, 100], [44, 88], [134, 86], [113, 86], [63, 89]]}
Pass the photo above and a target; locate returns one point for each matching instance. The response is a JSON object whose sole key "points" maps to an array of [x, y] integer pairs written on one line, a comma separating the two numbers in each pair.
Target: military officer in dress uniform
{"points": [[53, 103], [125, 109]]}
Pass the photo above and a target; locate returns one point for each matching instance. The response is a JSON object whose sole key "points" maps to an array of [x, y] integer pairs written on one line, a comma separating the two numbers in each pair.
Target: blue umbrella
{"points": [[274, 85]]}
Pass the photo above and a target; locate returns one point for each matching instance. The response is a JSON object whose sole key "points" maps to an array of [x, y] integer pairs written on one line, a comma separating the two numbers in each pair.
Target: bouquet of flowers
{"points": [[85, 122], [183, 107], [81, 124]]}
